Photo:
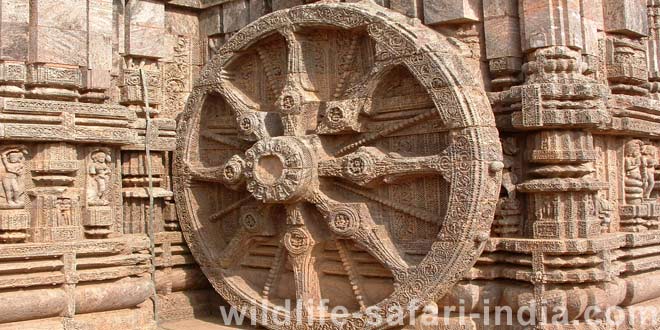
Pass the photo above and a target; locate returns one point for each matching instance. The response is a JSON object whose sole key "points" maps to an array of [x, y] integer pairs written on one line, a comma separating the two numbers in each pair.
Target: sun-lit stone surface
{"points": [[451, 151]]}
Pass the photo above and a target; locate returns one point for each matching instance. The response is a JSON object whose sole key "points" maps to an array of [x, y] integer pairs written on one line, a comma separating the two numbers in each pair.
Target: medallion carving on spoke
{"points": [[336, 152]]}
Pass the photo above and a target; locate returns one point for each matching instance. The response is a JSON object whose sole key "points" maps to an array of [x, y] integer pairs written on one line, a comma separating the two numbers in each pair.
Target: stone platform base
{"points": [[201, 324]]}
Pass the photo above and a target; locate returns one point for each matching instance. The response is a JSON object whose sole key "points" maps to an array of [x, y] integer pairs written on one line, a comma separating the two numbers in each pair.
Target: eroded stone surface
{"points": [[329, 161], [322, 160]]}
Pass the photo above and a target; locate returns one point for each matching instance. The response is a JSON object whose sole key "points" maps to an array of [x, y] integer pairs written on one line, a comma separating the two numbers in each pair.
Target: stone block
{"points": [[496, 8], [52, 13], [235, 15], [100, 16], [98, 216], [14, 19], [53, 45], [145, 41], [145, 28], [626, 17], [548, 23], [505, 65], [13, 71], [15, 11], [502, 36], [590, 36], [45, 74], [96, 79], [654, 57], [14, 41], [258, 8], [14, 219], [99, 52], [210, 21], [181, 22], [450, 11], [283, 4], [146, 13], [593, 10], [131, 88], [411, 8]]}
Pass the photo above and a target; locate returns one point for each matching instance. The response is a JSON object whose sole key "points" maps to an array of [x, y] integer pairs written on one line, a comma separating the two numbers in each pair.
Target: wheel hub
{"points": [[279, 170]]}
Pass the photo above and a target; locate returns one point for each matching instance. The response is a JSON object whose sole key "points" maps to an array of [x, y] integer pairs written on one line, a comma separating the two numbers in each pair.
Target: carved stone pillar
{"points": [[558, 107], [14, 20], [96, 75], [55, 202], [58, 49], [626, 28], [560, 186], [144, 40], [502, 32], [653, 49], [136, 193]]}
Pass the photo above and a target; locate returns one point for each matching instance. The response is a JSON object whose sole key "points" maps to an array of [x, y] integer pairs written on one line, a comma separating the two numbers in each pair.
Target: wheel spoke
{"points": [[236, 247], [230, 174], [274, 272], [215, 217], [251, 121], [369, 166], [353, 221], [412, 211], [299, 243], [299, 94], [369, 138], [226, 140], [342, 116], [354, 278], [253, 228]]}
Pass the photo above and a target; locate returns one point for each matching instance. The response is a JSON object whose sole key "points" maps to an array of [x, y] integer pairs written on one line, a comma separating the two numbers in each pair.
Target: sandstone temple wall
{"points": [[574, 86]]}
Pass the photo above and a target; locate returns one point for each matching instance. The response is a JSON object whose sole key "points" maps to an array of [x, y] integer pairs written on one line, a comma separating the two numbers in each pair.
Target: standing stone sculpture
{"points": [[99, 170], [315, 141], [633, 169], [649, 164], [13, 160]]}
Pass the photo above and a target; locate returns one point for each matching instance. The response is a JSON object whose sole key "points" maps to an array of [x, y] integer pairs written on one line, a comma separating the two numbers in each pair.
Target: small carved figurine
{"points": [[99, 171], [13, 160], [633, 165], [64, 212], [604, 209], [649, 162]]}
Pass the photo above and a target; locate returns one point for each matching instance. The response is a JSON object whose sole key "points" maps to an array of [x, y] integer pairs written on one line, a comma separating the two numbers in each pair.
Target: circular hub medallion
{"points": [[278, 169]]}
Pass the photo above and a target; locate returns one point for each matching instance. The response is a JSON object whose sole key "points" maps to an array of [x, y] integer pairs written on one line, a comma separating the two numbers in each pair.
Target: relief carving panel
{"points": [[302, 158]]}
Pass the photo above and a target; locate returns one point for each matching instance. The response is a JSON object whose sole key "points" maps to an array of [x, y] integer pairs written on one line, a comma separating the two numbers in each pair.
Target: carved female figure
{"points": [[64, 212], [99, 171], [633, 166], [649, 162], [13, 160]]}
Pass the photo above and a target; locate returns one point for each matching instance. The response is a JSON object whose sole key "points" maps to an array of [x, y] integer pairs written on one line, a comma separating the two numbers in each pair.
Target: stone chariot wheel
{"points": [[336, 163]]}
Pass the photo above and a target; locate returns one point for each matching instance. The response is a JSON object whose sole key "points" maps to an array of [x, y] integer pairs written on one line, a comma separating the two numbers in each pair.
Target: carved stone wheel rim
{"points": [[470, 164]]}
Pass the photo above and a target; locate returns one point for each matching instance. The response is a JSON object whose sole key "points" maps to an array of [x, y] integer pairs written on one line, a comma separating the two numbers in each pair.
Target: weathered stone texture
{"points": [[145, 27], [626, 16], [14, 20], [548, 23], [447, 12], [446, 150], [235, 15]]}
